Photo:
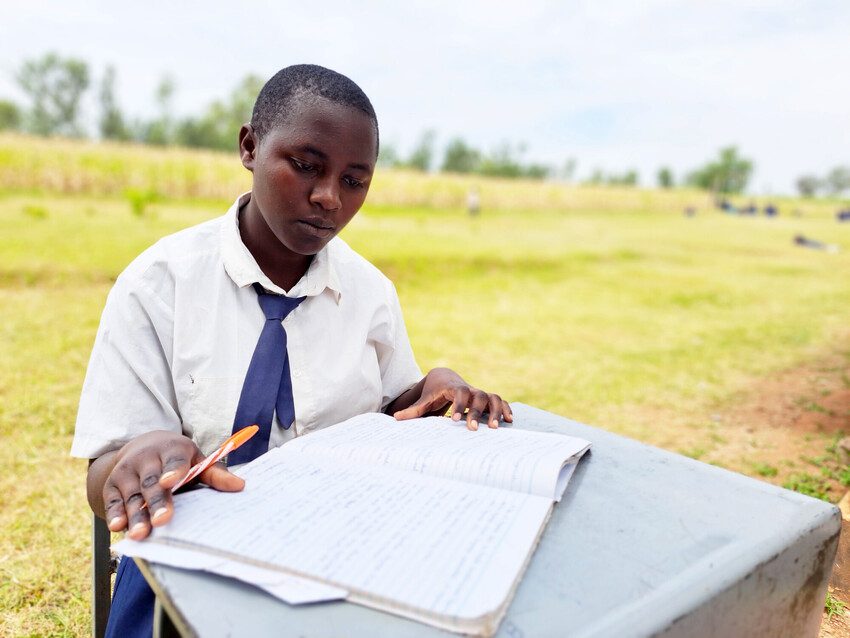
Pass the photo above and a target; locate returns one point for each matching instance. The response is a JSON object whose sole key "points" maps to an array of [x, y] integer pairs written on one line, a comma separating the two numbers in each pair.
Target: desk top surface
{"points": [[641, 537]]}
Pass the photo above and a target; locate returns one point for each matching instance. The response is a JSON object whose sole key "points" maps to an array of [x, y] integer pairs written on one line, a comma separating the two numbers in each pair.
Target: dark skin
{"points": [[311, 174]]}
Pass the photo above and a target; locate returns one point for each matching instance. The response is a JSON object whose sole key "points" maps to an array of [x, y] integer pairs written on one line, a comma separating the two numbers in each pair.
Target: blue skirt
{"points": [[131, 614]]}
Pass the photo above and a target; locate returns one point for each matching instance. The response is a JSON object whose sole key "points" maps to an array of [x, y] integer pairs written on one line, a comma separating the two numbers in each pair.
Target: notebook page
{"points": [[513, 459], [440, 551]]}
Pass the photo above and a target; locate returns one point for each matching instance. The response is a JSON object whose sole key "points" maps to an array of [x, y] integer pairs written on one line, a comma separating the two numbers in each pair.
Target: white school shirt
{"points": [[181, 324]]}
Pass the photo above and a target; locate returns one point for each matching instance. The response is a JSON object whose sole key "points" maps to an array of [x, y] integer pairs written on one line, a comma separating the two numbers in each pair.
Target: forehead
{"points": [[329, 126]]}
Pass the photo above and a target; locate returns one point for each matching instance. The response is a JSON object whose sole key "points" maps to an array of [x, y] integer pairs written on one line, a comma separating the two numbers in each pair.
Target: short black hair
{"points": [[277, 97]]}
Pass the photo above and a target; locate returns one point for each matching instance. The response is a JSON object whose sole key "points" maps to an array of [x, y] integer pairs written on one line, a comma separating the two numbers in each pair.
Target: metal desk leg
{"points": [[162, 625], [102, 569]]}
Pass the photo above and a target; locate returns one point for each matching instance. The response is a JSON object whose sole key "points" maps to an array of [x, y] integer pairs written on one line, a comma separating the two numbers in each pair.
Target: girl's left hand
{"points": [[442, 387]]}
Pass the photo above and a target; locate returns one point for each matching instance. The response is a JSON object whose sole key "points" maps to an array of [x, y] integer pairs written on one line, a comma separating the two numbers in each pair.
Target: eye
{"points": [[304, 167], [351, 182]]}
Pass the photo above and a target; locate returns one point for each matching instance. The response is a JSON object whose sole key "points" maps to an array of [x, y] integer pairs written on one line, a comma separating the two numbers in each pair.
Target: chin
{"points": [[308, 249]]}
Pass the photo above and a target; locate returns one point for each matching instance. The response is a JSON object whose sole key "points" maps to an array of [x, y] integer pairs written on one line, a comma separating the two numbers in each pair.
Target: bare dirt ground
{"points": [[835, 627], [783, 421]]}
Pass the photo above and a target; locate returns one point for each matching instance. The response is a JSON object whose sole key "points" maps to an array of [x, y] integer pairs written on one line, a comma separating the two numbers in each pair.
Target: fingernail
{"points": [[473, 424], [162, 511], [114, 521], [168, 475], [494, 423], [137, 529], [456, 416]]}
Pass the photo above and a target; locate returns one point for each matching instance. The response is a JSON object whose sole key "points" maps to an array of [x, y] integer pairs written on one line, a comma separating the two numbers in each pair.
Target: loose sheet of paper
{"points": [[415, 545], [518, 460], [290, 589]]}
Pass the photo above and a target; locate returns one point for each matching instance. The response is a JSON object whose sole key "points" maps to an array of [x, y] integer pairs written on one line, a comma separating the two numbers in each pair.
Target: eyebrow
{"points": [[312, 150]]}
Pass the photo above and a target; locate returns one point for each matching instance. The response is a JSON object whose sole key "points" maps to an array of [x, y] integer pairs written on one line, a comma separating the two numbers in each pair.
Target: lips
{"points": [[316, 227]]}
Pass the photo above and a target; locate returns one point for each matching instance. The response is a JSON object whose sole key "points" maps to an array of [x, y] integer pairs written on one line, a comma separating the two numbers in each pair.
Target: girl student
{"points": [[262, 313]]}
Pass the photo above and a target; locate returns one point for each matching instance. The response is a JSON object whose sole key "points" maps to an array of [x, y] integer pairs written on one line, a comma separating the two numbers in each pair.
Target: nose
{"points": [[325, 193]]}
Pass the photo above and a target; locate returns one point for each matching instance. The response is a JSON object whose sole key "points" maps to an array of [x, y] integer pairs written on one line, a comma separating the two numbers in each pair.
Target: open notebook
{"points": [[421, 518]]}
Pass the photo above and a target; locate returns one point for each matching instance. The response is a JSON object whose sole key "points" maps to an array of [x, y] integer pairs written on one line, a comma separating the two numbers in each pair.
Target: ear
{"points": [[247, 146]]}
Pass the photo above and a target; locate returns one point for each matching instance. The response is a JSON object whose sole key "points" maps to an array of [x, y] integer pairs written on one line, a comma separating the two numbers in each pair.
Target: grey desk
{"points": [[645, 542]]}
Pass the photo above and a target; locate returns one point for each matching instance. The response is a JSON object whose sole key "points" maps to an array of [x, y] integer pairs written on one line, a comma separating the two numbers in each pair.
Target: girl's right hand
{"points": [[137, 492]]}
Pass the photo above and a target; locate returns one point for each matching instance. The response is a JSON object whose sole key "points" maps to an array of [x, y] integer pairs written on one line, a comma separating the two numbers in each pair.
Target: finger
{"points": [[113, 504], [157, 499], [423, 406], [495, 410], [218, 477], [128, 484], [461, 400], [476, 408], [412, 411], [176, 462], [508, 413]]}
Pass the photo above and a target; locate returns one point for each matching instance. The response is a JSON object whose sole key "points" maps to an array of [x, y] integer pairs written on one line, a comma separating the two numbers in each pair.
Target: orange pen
{"points": [[224, 449]]}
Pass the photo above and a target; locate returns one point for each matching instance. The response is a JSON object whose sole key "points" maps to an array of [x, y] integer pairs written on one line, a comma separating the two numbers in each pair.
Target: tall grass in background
{"points": [[144, 174]]}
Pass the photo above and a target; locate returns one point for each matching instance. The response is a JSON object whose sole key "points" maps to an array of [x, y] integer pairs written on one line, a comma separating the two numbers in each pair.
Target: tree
{"points": [[160, 131], [629, 178], [838, 180], [388, 155], [568, 170], [665, 177], [808, 185], [219, 126], [460, 158], [728, 174], [597, 176], [112, 125], [504, 161], [196, 133], [423, 154], [54, 86], [537, 171], [241, 102], [10, 116]]}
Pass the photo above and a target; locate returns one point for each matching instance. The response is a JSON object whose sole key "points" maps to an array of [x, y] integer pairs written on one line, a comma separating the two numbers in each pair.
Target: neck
{"points": [[283, 266]]}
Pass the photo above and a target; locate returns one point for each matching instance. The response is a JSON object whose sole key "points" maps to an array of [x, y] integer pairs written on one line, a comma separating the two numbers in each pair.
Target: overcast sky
{"points": [[616, 85]]}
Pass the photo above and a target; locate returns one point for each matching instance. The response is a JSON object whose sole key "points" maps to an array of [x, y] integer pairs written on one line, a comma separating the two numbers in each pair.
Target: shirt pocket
{"points": [[338, 392], [208, 414]]}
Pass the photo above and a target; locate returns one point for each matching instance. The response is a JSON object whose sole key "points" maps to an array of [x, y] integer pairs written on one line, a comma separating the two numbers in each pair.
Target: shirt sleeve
{"points": [[399, 371], [128, 389]]}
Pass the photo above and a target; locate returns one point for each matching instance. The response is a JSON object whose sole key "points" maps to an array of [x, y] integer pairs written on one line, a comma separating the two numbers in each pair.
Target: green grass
{"points": [[832, 468], [810, 485], [812, 406], [573, 312], [583, 302], [833, 606], [764, 469]]}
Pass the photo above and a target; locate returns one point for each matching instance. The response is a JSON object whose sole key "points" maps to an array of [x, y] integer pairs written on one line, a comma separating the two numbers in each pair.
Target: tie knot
{"points": [[276, 306]]}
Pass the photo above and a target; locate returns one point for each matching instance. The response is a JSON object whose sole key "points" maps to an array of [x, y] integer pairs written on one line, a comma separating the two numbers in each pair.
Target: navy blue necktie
{"points": [[268, 386]]}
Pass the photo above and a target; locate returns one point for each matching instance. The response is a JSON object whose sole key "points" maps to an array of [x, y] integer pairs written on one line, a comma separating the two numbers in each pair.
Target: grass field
{"points": [[606, 305]]}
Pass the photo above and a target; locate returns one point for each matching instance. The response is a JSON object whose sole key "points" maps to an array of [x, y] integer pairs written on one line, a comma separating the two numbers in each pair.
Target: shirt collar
{"points": [[244, 270]]}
